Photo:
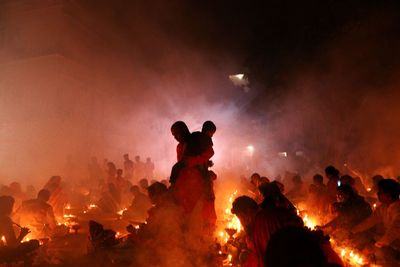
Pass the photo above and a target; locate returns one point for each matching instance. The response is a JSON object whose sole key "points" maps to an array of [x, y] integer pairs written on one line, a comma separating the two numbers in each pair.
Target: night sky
{"points": [[272, 40]]}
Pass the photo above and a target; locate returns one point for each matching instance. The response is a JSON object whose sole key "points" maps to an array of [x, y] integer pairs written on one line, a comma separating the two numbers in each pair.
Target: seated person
{"points": [[262, 223], [13, 249], [101, 238], [38, 214], [163, 229], [273, 196], [299, 191], [110, 200], [140, 205], [387, 244], [318, 196], [246, 208], [351, 209]]}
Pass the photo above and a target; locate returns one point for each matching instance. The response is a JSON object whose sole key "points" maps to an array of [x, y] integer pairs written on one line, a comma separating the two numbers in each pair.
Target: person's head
{"points": [[318, 179], [6, 205], [297, 179], [137, 158], [55, 179], [255, 179], [271, 192], [111, 166], [148, 159], [119, 172], [126, 156], [157, 192], [180, 131], [280, 185], [302, 246], [112, 188], [388, 191], [144, 183], [44, 195], [331, 172], [376, 179], [264, 179], [245, 208], [165, 182], [347, 179], [15, 187], [344, 193], [209, 128], [134, 189]]}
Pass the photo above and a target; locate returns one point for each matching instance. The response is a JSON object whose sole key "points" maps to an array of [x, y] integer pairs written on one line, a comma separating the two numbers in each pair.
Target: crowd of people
{"points": [[173, 222], [369, 221]]}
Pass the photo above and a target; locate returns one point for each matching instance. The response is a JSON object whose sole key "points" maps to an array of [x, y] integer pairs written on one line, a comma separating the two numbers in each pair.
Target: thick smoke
{"points": [[83, 78], [100, 89]]}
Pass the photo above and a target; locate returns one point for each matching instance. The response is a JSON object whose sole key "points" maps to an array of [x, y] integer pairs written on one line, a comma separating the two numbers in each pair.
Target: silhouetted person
{"points": [[263, 223], [388, 214], [13, 249], [38, 214], [245, 208], [128, 167], [299, 247], [149, 168], [139, 169], [333, 178], [140, 205], [161, 240], [351, 209], [111, 173], [58, 198], [318, 195], [298, 192], [181, 134]]}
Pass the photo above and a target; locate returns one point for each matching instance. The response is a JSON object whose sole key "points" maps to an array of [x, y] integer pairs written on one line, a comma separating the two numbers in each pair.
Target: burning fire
{"points": [[347, 254], [231, 227], [232, 222]]}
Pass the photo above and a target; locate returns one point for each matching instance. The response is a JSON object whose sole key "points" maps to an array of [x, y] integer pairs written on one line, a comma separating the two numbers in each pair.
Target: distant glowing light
{"points": [[250, 148], [283, 154], [339, 183], [239, 76], [239, 79]]}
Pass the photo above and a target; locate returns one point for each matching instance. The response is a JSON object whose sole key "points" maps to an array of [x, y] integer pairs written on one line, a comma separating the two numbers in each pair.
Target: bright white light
{"points": [[250, 148], [283, 154], [239, 76], [239, 80], [339, 183]]}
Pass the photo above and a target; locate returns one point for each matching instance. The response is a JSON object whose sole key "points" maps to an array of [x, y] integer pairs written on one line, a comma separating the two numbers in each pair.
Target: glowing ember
{"points": [[121, 212], [69, 216], [3, 241], [92, 206]]}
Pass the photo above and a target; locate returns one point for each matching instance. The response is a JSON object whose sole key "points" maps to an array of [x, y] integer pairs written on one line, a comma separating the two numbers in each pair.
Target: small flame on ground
{"points": [[121, 211]]}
